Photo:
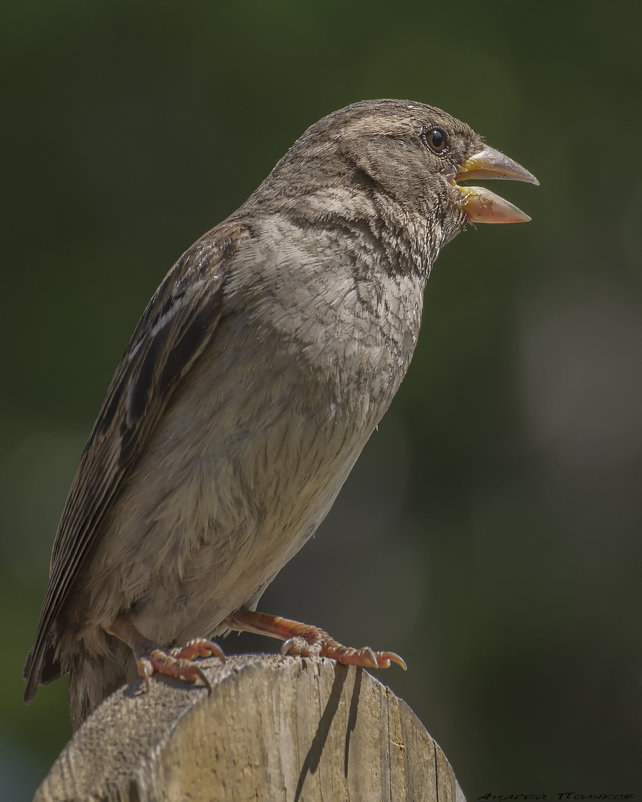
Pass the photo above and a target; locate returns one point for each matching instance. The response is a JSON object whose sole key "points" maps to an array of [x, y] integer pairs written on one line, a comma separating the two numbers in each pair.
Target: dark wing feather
{"points": [[172, 333]]}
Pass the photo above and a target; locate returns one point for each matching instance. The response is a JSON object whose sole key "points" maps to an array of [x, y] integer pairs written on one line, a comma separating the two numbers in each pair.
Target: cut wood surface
{"points": [[273, 728]]}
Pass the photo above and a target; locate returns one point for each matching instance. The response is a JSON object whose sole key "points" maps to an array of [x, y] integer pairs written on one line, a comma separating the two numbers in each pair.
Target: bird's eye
{"points": [[436, 140]]}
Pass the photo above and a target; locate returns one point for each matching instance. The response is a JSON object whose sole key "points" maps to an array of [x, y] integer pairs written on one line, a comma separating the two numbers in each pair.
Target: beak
{"points": [[480, 204]]}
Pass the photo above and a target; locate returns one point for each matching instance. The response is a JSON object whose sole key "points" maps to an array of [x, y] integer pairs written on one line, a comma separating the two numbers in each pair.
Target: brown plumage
{"points": [[253, 380]]}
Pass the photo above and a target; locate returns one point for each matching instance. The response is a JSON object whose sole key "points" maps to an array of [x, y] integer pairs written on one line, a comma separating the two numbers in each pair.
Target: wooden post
{"points": [[274, 728]]}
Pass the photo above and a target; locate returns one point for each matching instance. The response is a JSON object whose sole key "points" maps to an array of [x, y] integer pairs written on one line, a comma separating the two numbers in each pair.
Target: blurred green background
{"points": [[491, 531]]}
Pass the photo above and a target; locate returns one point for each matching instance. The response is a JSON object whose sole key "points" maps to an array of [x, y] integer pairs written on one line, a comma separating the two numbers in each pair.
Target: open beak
{"points": [[480, 204]]}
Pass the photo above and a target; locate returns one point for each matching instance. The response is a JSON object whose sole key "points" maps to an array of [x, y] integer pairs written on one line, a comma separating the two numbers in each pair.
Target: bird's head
{"points": [[416, 155]]}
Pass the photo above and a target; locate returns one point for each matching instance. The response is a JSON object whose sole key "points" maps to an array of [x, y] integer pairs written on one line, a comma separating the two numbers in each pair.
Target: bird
{"points": [[260, 368]]}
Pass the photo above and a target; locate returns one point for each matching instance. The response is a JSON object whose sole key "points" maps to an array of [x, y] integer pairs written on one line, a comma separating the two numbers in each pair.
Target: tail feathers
{"points": [[93, 678], [42, 666]]}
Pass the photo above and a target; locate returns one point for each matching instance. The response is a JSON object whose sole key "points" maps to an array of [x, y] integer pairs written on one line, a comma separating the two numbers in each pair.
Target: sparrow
{"points": [[253, 380]]}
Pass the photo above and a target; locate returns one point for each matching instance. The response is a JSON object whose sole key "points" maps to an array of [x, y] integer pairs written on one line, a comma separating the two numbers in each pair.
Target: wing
{"points": [[177, 325]]}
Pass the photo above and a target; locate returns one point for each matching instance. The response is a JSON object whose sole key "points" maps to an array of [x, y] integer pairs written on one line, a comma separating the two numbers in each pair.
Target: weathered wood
{"points": [[274, 728]]}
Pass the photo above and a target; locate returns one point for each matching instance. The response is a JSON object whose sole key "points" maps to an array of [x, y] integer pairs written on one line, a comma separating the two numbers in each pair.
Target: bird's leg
{"points": [[307, 640], [151, 658]]}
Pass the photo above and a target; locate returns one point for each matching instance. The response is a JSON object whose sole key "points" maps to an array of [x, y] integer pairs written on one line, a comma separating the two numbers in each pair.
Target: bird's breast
{"points": [[254, 448]]}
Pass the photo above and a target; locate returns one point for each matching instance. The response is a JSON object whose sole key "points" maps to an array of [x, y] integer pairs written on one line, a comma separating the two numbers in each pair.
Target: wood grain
{"points": [[274, 728]]}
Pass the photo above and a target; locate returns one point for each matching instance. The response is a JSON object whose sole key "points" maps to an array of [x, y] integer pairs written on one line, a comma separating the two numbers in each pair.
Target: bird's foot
{"points": [[154, 659], [316, 641], [178, 662], [306, 640]]}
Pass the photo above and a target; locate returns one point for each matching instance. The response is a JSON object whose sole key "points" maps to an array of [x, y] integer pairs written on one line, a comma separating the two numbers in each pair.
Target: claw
{"points": [[308, 641], [154, 659], [145, 669], [385, 658], [301, 646], [198, 647], [174, 664]]}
